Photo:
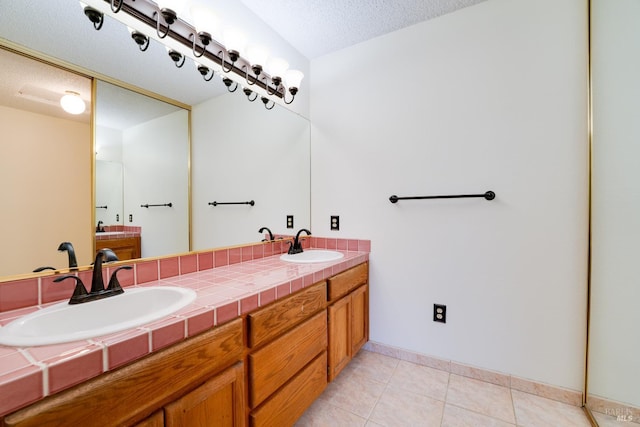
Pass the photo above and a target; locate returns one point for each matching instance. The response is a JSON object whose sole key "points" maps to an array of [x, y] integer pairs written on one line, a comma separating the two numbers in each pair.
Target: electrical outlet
{"points": [[289, 221], [117, 217], [130, 217], [440, 313], [335, 222]]}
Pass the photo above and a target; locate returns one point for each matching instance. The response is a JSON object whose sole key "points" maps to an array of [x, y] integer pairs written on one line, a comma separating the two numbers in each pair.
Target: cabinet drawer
{"points": [[288, 404], [273, 320], [273, 365], [341, 284]]}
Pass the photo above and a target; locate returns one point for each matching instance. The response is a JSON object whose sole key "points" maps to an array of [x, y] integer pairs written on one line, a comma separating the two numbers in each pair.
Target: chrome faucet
{"points": [[98, 290], [262, 230], [296, 246]]}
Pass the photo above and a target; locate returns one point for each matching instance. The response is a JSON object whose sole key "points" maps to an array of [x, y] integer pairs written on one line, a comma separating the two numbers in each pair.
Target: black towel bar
{"points": [[251, 202], [155, 206], [489, 195]]}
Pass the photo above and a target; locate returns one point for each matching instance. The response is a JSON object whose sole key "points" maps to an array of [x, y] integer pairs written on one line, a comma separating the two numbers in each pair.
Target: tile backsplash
{"points": [[40, 289]]}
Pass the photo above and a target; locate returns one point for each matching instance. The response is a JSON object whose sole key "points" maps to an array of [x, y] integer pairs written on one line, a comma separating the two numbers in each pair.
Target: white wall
{"points": [[154, 174], [109, 184], [243, 152], [492, 97], [614, 346]]}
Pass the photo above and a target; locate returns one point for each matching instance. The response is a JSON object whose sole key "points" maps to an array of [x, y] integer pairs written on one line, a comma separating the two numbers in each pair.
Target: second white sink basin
{"points": [[63, 322], [312, 255]]}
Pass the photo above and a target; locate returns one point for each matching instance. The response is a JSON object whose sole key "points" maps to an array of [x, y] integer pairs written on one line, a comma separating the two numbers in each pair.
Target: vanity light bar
{"points": [[184, 33]]}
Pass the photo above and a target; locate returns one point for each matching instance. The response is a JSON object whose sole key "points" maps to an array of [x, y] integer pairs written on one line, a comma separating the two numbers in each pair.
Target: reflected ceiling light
{"points": [[228, 82], [72, 103], [205, 22], [292, 80], [141, 40], [177, 58], [94, 15], [169, 10], [265, 101], [256, 56], [234, 42], [248, 92], [204, 71]]}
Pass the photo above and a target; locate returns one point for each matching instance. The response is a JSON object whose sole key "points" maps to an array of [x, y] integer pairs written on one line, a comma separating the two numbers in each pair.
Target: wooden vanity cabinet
{"points": [[287, 362], [199, 377], [125, 248], [348, 316]]}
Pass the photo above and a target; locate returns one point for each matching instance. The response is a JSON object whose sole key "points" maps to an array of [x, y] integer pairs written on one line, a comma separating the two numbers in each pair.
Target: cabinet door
{"points": [[339, 315], [218, 402], [155, 420], [359, 318]]}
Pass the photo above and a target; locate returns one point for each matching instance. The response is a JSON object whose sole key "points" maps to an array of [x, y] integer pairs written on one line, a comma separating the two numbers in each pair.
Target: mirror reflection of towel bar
{"points": [[155, 206], [489, 195], [251, 202], [101, 207]]}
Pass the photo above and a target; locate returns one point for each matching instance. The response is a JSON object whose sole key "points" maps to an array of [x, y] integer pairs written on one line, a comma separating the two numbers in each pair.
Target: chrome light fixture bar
{"points": [[273, 78]]}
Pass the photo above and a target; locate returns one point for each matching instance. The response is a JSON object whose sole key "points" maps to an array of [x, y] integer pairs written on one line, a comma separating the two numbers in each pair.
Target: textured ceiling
{"points": [[59, 29], [318, 27]]}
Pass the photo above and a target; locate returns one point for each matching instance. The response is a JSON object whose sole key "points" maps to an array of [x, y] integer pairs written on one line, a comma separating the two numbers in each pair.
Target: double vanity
{"points": [[257, 343]]}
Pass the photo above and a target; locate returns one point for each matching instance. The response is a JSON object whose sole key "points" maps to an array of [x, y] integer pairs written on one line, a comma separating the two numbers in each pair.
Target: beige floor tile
{"points": [[398, 407], [459, 417], [479, 396], [357, 395], [372, 424], [374, 366], [534, 411], [420, 380], [324, 414]]}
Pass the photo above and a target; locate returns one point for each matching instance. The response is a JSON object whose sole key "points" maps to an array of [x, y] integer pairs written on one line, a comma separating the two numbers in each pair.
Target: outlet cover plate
{"points": [[440, 313]]}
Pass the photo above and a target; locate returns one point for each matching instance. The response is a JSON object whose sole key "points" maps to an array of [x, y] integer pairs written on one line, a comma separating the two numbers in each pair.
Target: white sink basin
{"points": [[312, 255], [63, 322]]}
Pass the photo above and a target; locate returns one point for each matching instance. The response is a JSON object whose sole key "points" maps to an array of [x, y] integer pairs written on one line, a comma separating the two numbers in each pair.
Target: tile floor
{"points": [[376, 390]]}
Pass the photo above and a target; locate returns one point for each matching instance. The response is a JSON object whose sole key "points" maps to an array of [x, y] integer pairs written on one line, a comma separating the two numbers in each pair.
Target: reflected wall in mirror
{"points": [[45, 166], [241, 152], [142, 158], [613, 388]]}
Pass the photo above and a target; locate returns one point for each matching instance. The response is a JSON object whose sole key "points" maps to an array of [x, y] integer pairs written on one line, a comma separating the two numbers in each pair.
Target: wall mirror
{"points": [[240, 151], [142, 173], [613, 386]]}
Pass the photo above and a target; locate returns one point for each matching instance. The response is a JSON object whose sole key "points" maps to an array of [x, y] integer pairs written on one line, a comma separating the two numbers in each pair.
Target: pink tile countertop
{"points": [[239, 285]]}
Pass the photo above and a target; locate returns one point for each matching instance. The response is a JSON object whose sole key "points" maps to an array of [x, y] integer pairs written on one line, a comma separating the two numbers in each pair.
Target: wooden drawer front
{"points": [[273, 320], [132, 393], [341, 284], [288, 404], [273, 365]]}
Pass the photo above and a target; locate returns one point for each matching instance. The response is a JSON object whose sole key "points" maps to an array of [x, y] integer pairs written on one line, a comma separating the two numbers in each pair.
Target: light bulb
{"points": [[204, 20], [277, 67], [292, 78], [257, 55], [72, 103], [234, 39]]}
